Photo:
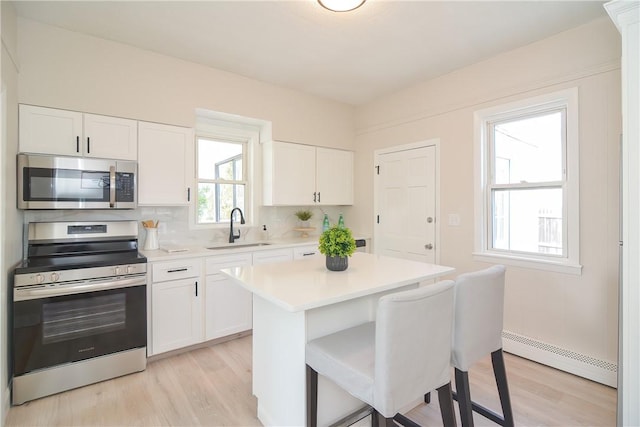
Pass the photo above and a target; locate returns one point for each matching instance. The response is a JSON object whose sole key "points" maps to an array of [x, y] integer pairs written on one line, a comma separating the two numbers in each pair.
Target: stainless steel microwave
{"points": [[59, 182]]}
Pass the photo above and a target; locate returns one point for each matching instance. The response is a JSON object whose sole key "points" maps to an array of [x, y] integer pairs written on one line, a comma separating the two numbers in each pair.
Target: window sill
{"points": [[537, 264]]}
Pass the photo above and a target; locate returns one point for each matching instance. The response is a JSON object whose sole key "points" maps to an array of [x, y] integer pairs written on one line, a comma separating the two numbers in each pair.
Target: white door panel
{"points": [[406, 193]]}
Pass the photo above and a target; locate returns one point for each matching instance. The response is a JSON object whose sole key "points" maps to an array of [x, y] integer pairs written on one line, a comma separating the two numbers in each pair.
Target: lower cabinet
{"points": [[188, 307], [228, 307], [176, 305]]}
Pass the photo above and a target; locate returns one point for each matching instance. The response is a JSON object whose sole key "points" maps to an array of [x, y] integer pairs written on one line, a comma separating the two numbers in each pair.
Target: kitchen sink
{"points": [[234, 246]]}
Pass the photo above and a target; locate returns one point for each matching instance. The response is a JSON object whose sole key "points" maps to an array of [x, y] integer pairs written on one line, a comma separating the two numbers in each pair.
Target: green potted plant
{"points": [[304, 216], [337, 244]]}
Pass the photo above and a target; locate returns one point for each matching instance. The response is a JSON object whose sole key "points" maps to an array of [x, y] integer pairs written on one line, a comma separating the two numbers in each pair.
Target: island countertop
{"points": [[303, 285]]}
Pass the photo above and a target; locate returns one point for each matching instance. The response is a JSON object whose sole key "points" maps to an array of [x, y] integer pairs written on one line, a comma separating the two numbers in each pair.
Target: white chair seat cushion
{"points": [[347, 358]]}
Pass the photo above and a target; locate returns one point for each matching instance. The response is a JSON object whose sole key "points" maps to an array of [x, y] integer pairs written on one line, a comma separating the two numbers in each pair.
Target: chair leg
{"points": [[499, 371], [377, 420], [312, 397], [446, 405], [464, 398]]}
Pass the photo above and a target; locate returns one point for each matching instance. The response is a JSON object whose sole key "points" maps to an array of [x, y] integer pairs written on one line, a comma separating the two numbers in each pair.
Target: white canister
{"points": [[151, 241]]}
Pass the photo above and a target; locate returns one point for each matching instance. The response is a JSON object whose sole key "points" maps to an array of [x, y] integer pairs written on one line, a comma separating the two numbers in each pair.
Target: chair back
{"points": [[479, 311], [413, 345]]}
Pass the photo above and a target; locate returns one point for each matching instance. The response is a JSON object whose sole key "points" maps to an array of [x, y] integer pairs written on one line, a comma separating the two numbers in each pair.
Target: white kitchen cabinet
{"points": [[296, 174], [71, 133], [334, 176], [177, 297], [272, 255], [305, 252], [228, 307], [165, 166]]}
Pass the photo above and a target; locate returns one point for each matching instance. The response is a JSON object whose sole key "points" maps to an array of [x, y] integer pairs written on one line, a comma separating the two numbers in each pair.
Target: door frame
{"points": [[434, 142]]}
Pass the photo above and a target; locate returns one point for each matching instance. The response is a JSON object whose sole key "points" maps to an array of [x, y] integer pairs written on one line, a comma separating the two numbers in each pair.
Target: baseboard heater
{"points": [[575, 363]]}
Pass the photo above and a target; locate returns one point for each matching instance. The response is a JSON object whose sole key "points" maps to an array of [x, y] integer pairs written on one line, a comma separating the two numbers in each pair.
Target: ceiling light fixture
{"points": [[341, 5]]}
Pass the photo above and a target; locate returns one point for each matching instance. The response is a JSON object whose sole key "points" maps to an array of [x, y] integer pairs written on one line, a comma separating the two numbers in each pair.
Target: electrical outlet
{"points": [[454, 219]]}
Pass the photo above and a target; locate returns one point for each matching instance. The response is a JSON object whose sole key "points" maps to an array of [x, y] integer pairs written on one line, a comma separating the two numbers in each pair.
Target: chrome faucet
{"points": [[232, 235]]}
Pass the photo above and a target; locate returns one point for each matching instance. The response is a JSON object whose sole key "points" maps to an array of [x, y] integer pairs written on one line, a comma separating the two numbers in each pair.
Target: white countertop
{"points": [[307, 284], [191, 250]]}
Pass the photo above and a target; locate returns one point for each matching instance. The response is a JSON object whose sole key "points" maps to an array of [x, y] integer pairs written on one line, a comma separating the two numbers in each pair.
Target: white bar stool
{"points": [[479, 310], [392, 362]]}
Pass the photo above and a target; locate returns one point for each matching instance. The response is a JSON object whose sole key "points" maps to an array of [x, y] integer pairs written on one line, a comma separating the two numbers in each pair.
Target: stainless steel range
{"points": [[79, 307]]}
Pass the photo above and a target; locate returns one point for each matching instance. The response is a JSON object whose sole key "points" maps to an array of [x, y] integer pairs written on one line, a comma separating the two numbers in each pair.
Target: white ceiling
{"points": [[352, 57]]}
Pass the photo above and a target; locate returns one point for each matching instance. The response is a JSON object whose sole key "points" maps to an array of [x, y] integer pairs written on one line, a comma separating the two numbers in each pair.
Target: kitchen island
{"points": [[295, 302]]}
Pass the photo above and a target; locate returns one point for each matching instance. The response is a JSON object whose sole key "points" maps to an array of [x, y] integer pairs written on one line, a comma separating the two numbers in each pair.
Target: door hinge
{"points": [[378, 169], [378, 219]]}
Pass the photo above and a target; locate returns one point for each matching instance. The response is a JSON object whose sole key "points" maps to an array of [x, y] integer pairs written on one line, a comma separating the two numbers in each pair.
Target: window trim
{"points": [[482, 251]]}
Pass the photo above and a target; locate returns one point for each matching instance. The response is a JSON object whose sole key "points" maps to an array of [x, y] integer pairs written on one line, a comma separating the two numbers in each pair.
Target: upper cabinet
{"points": [[71, 133], [296, 175], [165, 166]]}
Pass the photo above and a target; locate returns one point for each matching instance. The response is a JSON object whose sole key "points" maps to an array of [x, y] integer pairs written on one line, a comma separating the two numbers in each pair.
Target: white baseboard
{"points": [[585, 366]]}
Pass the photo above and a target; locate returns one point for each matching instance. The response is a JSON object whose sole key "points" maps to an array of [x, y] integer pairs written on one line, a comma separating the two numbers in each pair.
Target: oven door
{"points": [[59, 329], [50, 182]]}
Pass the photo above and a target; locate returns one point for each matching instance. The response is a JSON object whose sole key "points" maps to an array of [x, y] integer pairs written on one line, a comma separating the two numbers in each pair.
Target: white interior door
{"points": [[406, 204]]}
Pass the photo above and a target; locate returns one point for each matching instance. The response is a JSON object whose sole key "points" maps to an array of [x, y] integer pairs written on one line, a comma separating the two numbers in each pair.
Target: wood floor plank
{"points": [[211, 386]]}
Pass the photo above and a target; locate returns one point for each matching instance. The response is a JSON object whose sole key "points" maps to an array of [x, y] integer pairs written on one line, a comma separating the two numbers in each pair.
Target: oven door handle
{"points": [[112, 186], [55, 291]]}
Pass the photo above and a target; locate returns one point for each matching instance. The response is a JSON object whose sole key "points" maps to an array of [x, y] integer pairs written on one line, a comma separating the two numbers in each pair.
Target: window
{"points": [[527, 183], [224, 167], [221, 179]]}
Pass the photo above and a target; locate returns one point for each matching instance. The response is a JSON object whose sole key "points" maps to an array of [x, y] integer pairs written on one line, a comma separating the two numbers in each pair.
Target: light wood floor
{"points": [[211, 386]]}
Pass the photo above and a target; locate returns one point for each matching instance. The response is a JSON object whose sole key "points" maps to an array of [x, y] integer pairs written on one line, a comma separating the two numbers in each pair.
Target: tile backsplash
{"points": [[174, 222]]}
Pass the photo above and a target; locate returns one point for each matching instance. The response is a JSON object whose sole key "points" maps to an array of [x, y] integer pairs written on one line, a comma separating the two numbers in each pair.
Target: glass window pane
{"points": [[215, 201], [528, 220], [528, 149], [219, 160]]}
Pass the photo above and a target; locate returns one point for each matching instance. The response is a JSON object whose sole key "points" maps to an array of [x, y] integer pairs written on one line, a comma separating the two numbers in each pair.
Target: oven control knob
{"points": [[117, 271], [55, 277], [129, 269], [39, 278]]}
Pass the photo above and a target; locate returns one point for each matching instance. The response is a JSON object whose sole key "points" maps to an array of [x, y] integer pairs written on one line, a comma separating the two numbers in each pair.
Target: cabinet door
{"points": [[110, 137], [176, 314], [334, 176], [228, 306], [50, 131], [290, 174], [165, 164]]}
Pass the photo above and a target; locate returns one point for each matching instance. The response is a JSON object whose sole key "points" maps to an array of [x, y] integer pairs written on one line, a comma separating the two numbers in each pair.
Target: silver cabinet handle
{"points": [[112, 186], [428, 246]]}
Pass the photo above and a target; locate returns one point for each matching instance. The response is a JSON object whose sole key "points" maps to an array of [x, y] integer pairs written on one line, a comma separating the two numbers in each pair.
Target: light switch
{"points": [[454, 220]]}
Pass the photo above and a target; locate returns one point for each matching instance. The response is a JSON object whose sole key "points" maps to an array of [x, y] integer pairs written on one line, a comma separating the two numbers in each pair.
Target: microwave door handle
{"points": [[112, 186]]}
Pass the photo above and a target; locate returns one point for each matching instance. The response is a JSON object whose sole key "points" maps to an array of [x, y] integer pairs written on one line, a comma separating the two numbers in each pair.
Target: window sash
{"points": [[491, 187], [217, 182]]}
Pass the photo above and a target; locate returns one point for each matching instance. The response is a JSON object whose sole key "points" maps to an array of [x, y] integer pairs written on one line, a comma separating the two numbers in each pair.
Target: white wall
{"points": [[68, 70], [10, 227], [577, 313]]}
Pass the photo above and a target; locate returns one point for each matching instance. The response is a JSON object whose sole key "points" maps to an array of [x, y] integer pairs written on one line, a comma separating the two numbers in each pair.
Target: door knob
{"points": [[428, 246], [429, 220]]}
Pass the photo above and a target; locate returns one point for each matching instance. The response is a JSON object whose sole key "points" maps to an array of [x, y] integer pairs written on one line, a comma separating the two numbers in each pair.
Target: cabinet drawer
{"points": [[171, 270], [304, 252], [270, 256], [216, 263]]}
